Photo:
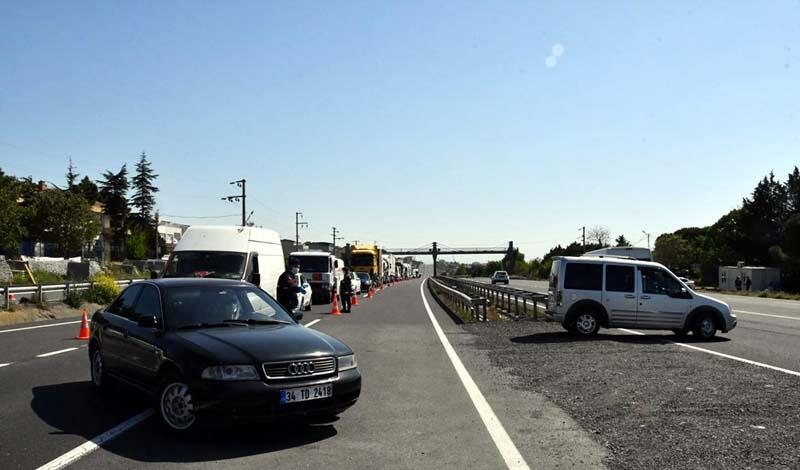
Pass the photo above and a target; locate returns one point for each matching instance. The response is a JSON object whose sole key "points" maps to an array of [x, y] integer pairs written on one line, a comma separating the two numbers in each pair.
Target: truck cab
{"points": [[323, 272]]}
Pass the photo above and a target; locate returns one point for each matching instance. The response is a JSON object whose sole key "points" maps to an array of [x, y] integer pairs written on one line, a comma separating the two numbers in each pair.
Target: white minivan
{"points": [[586, 293], [251, 254], [323, 271]]}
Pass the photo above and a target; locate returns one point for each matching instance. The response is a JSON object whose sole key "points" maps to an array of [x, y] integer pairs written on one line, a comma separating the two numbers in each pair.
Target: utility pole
{"points": [[584, 237], [297, 225], [237, 197], [648, 238], [333, 249]]}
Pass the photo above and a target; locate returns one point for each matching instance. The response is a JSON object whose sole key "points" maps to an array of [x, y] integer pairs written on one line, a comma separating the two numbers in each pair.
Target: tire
{"points": [[97, 369], [308, 307], [586, 323], [175, 405], [704, 326]]}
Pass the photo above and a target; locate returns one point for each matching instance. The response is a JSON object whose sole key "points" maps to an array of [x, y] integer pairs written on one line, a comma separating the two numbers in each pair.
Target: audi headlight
{"points": [[230, 373], [347, 362]]}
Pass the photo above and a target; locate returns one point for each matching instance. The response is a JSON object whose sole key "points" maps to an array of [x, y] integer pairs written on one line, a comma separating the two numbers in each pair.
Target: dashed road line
{"points": [[6, 364], [715, 353], [502, 440], [313, 322], [60, 351], [766, 314], [40, 326], [90, 446]]}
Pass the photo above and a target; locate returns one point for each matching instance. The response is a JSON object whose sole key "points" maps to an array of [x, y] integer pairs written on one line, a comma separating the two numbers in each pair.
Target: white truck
{"points": [[390, 266], [231, 252], [323, 271]]}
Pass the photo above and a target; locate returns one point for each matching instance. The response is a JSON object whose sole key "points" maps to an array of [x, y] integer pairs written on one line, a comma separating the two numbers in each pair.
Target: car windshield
{"points": [[219, 264], [363, 276], [362, 259], [314, 264], [197, 306]]}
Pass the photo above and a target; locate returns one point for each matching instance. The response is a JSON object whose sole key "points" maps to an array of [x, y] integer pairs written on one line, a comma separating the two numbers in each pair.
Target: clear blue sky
{"points": [[408, 122]]}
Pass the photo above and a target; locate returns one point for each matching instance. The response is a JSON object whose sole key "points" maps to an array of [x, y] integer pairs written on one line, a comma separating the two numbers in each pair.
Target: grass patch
{"points": [[42, 277]]}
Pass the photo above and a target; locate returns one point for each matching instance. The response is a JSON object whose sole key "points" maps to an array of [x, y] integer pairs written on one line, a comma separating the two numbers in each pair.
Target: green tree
{"points": [[622, 241], [762, 218], [144, 190], [65, 219], [88, 190], [71, 175], [793, 192], [12, 214], [791, 233], [672, 251], [113, 195], [136, 244]]}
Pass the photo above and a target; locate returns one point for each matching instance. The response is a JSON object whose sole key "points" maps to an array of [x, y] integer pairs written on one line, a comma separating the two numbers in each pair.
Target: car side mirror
{"points": [[148, 321], [297, 315], [255, 279]]}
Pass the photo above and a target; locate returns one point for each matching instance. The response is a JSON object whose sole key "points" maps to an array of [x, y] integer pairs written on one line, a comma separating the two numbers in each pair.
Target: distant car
{"points": [[689, 283], [304, 300], [500, 277], [355, 282], [204, 347], [366, 282]]}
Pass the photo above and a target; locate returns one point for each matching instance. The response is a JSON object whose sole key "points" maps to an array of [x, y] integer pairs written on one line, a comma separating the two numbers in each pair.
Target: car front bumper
{"points": [[261, 400]]}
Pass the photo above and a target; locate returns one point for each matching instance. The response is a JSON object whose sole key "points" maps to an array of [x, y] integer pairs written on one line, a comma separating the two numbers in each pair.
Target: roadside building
{"points": [[761, 277], [171, 232]]}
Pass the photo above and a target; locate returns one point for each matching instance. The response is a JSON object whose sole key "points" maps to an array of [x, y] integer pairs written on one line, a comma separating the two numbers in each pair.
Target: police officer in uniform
{"points": [[346, 291], [287, 285]]}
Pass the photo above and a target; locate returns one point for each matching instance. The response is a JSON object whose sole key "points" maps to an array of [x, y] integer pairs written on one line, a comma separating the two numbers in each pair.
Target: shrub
{"points": [[74, 299], [103, 290]]}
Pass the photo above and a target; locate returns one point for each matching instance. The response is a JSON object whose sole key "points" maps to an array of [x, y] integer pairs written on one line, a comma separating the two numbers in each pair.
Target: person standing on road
{"points": [[346, 291], [738, 283], [287, 286], [374, 278], [748, 283]]}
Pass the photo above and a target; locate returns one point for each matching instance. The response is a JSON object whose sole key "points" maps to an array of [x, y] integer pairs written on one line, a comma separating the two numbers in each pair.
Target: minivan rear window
{"points": [[554, 274], [583, 276]]}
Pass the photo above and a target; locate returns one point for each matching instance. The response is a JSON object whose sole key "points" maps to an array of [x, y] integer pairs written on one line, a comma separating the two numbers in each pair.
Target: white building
{"points": [[761, 277], [170, 232]]}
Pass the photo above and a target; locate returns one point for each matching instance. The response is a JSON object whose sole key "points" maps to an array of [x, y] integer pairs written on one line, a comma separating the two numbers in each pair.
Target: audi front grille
{"points": [[300, 368]]}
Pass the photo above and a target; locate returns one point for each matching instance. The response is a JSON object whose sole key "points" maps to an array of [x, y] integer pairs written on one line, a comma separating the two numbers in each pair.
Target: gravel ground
{"points": [[651, 404]]}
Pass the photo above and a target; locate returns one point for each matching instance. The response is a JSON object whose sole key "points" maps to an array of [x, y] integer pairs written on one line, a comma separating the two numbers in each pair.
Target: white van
{"points": [[323, 271], [231, 252], [586, 293], [642, 254]]}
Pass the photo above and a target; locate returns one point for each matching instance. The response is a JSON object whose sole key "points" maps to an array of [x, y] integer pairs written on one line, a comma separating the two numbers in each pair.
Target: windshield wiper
{"points": [[254, 321], [211, 325]]}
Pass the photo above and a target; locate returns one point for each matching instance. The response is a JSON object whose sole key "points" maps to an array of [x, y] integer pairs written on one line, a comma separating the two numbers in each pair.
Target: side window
{"points": [[149, 303], [123, 306], [620, 278], [659, 282], [582, 276]]}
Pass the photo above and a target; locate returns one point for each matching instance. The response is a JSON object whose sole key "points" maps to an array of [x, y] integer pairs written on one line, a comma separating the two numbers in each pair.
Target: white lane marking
{"points": [[90, 446], [40, 326], [715, 353], [499, 435], [6, 364], [313, 322], [57, 352], [766, 314]]}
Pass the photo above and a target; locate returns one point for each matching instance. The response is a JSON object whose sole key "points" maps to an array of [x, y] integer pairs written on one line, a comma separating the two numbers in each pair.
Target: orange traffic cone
{"points": [[11, 296], [371, 292], [354, 300], [83, 333], [335, 307]]}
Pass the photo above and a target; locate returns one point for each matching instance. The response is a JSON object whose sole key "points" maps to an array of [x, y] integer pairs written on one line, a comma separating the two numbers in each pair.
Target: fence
{"points": [[41, 293], [473, 306], [504, 299]]}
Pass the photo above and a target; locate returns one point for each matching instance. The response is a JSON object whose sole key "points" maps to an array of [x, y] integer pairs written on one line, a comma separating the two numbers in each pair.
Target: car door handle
{"points": [[630, 296], [644, 297]]}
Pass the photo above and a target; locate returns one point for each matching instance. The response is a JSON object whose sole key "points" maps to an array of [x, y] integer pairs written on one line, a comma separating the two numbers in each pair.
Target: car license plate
{"points": [[306, 393]]}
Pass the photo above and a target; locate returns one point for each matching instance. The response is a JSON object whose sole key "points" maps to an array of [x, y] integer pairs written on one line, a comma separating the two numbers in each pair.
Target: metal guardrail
{"points": [[474, 306], [505, 299], [41, 293]]}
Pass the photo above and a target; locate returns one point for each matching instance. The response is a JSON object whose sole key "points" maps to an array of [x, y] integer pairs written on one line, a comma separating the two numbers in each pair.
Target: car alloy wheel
{"points": [[177, 408], [705, 327], [586, 324], [97, 368]]}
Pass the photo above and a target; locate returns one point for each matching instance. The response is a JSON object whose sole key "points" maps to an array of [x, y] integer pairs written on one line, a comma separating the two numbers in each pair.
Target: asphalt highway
{"points": [[768, 330], [417, 407]]}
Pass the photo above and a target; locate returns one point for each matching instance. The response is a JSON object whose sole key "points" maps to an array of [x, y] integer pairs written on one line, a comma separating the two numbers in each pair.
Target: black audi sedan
{"points": [[206, 347]]}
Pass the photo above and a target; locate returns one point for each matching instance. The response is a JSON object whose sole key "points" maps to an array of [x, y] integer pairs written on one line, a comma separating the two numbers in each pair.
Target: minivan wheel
{"points": [[704, 326], [586, 324], [176, 406]]}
